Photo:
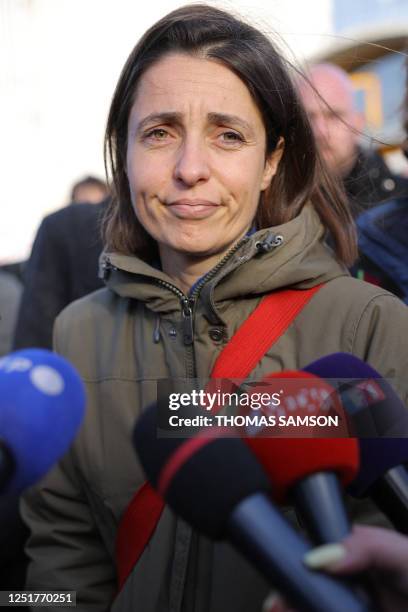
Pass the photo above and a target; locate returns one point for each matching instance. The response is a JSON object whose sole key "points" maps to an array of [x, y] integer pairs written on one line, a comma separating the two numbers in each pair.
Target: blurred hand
{"points": [[382, 552]]}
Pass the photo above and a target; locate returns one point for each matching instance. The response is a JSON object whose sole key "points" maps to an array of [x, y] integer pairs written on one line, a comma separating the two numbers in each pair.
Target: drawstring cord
{"points": [[156, 330]]}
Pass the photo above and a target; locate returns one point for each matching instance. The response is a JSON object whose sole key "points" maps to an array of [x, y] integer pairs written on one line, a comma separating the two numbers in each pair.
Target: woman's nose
{"points": [[192, 164]]}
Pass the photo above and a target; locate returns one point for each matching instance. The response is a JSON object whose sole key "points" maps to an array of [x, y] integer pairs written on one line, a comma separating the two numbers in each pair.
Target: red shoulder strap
{"points": [[260, 331], [136, 528], [257, 334]]}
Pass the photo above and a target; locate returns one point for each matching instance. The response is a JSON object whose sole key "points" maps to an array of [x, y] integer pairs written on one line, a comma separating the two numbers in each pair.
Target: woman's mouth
{"points": [[192, 209]]}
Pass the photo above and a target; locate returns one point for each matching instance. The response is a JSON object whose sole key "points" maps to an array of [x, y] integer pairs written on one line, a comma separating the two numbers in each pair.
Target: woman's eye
{"points": [[157, 134], [231, 137]]}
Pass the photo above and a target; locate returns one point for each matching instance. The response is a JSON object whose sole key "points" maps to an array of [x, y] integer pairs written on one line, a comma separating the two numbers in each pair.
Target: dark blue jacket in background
{"points": [[63, 267]]}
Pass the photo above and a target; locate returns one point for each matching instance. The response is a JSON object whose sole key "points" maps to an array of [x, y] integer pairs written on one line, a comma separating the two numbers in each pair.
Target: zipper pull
{"points": [[187, 314]]}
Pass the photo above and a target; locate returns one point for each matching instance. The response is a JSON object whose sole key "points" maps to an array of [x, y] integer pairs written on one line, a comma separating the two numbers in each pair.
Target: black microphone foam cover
{"points": [[374, 410], [372, 405], [202, 479]]}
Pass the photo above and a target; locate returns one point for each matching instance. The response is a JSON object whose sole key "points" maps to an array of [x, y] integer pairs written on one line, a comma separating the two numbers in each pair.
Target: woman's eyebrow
{"points": [[165, 117], [176, 118], [227, 119]]}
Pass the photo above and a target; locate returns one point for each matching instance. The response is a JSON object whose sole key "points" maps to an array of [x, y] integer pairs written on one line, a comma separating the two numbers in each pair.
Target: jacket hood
{"points": [[289, 255]]}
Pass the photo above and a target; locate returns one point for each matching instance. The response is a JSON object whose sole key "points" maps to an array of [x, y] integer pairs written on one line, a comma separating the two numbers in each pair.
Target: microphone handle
{"points": [[319, 501], [257, 529], [390, 493], [7, 465]]}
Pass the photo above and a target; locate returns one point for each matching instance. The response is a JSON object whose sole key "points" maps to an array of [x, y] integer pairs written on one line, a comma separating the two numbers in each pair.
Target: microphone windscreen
{"points": [[373, 407], [341, 365], [42, 403], [202, 479], [289, 460]]}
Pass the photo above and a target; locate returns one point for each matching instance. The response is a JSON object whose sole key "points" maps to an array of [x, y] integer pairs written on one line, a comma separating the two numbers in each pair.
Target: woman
{"points": [[209, 149]]}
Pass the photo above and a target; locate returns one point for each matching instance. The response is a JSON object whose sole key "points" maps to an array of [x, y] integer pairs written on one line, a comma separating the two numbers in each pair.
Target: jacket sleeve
{"points": [[381, 339], [45, 288], [65, 549]]}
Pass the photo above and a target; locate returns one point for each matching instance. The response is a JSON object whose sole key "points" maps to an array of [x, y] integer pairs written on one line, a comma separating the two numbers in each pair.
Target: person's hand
{"points": [[382, 552]]}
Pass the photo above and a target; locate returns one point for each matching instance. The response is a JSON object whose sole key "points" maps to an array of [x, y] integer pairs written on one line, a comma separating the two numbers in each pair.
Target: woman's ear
{"points": [[272, 163]]}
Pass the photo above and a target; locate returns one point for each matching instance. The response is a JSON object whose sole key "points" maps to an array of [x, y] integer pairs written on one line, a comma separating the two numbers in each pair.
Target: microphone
{"points": [[307, 472], [380, 420], [373, 407], [42, 402], [219, 487]]}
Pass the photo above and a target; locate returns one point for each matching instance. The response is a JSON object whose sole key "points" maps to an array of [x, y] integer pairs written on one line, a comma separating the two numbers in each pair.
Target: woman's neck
{"points": [[185, 270]]}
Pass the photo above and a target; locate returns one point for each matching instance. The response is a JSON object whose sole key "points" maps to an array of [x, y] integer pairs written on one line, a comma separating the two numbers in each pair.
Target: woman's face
{"points": [[196, 156]]}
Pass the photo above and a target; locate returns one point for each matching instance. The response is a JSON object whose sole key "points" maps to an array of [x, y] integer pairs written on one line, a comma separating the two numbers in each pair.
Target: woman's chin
{"points": [[199, 249]]}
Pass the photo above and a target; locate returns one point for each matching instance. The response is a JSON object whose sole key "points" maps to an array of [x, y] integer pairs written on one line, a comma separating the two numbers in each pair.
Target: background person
{"points": [[90, 189], [337, 124], [63, 267], [12, 559], [212, 158], [329, 99]]}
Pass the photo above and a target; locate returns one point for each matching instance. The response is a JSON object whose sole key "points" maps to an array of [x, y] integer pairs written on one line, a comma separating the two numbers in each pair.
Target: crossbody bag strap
{"points": [[264, 326]]}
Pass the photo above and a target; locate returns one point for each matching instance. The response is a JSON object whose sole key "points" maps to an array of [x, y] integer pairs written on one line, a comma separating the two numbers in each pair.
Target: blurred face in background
{"points": [[333, 124], [196, 159], [91, 194]]}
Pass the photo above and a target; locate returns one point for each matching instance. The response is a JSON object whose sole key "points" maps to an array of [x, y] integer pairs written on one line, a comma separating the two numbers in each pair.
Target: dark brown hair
{"points": [[207, 32]]}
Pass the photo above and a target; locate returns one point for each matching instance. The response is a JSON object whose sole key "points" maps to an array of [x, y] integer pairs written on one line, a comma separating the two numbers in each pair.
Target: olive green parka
{"points": [[142, 328]]}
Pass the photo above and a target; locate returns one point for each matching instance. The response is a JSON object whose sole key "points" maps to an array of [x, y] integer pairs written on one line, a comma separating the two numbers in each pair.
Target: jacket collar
{"points": [[291, 254]]}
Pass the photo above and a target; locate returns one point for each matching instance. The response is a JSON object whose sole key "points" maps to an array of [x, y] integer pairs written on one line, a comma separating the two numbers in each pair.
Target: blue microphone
{"points": [[380, 420], [42, 403]]}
